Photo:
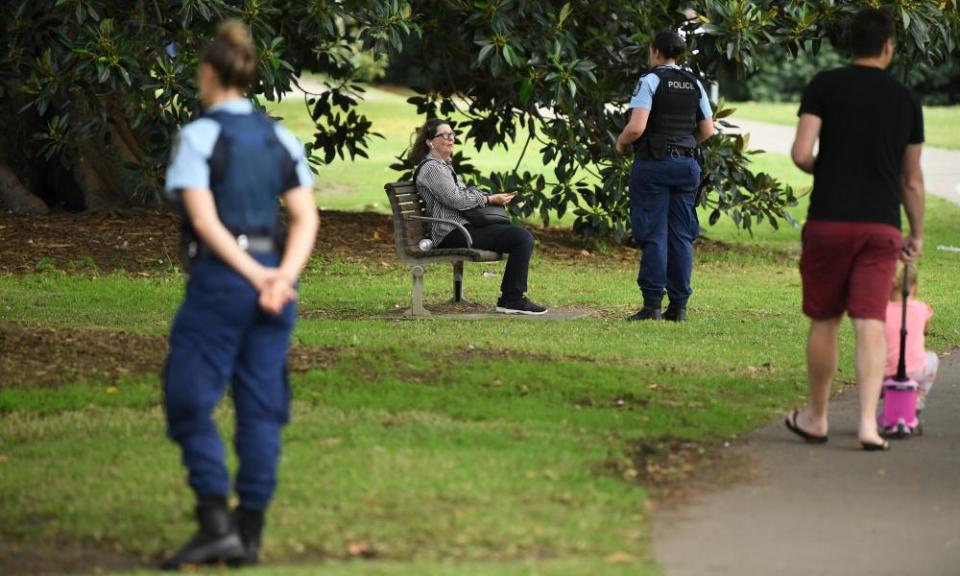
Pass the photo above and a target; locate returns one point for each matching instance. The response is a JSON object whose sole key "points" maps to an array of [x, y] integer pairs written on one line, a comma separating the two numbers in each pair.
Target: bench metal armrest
{"points": [[458, 225]]}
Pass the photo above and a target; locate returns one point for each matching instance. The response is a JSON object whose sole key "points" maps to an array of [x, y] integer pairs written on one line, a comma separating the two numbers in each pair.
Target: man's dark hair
{"points": [[869, 30], [669, 44]]}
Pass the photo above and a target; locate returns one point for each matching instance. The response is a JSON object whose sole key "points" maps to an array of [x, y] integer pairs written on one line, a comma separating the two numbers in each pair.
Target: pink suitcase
{"points": [[899, 417]]}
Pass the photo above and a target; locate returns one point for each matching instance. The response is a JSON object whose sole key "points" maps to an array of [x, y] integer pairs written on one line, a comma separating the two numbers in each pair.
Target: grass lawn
{"points": [[439, 446], [498, 446], [941, 123]]}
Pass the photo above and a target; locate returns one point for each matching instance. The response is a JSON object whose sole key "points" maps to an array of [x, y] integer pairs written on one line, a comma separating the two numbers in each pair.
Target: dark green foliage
{"points": [[547, 77], [123, 72], [779, 79], [557, 74]]}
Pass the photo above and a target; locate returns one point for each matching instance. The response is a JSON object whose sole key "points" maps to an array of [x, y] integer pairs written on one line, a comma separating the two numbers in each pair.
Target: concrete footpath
{"points": [[831, 509], [941, 168]]}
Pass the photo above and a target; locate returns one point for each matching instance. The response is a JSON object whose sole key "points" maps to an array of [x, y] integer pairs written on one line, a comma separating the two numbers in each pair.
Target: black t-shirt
{"points": [[868, 120]]}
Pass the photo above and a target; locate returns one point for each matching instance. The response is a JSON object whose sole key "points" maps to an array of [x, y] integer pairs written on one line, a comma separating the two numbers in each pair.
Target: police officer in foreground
{"points": [[670, 116], [228, 170]]}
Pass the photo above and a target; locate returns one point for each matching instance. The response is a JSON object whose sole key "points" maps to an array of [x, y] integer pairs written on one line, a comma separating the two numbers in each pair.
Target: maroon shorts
{"points": [[848, 266]]}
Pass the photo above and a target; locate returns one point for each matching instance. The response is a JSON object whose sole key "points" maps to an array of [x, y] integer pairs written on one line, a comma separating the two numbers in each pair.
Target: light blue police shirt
{"points": [[194, 144], [648, 86]]}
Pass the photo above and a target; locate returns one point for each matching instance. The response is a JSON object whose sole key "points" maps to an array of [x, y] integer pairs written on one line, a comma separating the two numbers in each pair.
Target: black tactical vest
{"points": [[673, 113]]}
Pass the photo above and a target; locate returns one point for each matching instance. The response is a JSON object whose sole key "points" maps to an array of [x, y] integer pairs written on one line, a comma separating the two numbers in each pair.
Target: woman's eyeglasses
{"points": [[446, 135]]}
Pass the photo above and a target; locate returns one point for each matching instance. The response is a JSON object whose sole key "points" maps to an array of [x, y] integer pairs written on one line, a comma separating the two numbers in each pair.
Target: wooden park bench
{"points": [[410, 226]]}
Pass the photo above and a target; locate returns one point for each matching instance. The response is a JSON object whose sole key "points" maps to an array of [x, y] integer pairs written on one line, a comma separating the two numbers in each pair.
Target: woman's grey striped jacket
{"points": [[445, 195]]}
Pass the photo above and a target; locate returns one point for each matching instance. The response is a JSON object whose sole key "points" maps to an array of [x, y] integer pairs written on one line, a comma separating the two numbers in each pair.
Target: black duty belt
{"points": [[680, 150], [249, 244]]}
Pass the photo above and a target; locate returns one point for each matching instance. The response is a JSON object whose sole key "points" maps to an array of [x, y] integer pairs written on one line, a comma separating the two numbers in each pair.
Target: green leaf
{"points": [[526, 90], [485, 53], [564, 14], [508, 55]]}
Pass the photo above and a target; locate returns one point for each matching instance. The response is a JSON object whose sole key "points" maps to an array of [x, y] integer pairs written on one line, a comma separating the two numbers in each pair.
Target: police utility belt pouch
{"points": [[656, 148], [486, 215], [652, 147], [192, 249]]}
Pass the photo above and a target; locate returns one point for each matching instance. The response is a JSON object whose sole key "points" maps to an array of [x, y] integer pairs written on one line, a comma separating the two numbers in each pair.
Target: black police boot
{"points": [[215, 542], [646, 313], [675, 313], [249, 524]]}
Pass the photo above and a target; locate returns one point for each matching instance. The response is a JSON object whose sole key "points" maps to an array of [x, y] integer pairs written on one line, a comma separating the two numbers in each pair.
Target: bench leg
{"points": [[416, 305], [458, 282]]}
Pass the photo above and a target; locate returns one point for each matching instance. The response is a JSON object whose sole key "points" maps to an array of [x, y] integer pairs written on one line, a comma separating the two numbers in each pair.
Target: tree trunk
{"points": [[15, 196], [99, 165]]}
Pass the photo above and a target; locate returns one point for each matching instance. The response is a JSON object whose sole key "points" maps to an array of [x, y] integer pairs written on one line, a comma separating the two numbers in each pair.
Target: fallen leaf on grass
{"points": [[620, 558], [361, 549]]}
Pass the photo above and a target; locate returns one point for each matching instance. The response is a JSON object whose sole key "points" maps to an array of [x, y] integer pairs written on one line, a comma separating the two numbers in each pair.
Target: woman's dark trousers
{"points": [[505, 239]]}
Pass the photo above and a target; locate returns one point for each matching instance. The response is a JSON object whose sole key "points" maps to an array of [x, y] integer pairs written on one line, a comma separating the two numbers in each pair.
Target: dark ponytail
{"points": [[419, 149], [232, 55], [669, 44]]}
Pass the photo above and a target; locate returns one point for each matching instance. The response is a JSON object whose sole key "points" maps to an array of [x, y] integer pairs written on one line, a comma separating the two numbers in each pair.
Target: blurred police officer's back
{"points": [[228, 171]]}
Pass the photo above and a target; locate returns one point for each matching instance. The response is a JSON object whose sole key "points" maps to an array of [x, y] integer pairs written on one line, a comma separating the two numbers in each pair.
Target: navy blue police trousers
{"points": [[664, 221], [219, 337]]}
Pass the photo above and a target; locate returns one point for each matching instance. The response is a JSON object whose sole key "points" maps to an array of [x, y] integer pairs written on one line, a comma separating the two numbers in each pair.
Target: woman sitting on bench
{"points": [[447, 197]]}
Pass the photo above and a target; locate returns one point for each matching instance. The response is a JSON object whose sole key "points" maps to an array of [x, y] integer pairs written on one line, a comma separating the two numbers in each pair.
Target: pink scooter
{"points": [[899, 417]]}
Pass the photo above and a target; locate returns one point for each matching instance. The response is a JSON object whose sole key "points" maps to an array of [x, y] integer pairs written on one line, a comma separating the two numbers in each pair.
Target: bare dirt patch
{"points": [[676, 469], [478, 311], [146, 241], [64, 558], [47, 357]]}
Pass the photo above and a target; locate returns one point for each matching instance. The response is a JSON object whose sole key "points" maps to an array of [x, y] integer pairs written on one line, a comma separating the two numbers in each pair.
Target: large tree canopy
{"points": [[92, 90]]}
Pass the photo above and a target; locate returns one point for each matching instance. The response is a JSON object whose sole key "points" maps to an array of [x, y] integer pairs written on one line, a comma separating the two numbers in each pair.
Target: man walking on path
{"points": [[870, 129]]}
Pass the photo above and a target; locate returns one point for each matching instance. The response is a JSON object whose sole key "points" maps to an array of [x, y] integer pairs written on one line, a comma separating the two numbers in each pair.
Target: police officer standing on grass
{"points": [[670, 116], [228, 170]]}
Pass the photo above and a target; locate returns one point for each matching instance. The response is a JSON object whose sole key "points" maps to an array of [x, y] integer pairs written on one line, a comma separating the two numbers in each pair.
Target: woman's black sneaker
{"points": [[520, 306]]}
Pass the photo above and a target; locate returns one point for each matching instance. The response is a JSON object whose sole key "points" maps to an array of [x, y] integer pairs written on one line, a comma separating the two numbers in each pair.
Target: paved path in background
{"points": [[832, 509], [941, 168]]}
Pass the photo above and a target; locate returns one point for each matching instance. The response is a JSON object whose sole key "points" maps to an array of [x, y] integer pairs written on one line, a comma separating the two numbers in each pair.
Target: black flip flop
{"points": [[871, 447], [792, 426]]}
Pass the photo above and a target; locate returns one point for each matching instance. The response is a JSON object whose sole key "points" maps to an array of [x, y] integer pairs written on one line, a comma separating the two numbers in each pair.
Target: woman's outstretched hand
{"points": [[501, 199]]}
